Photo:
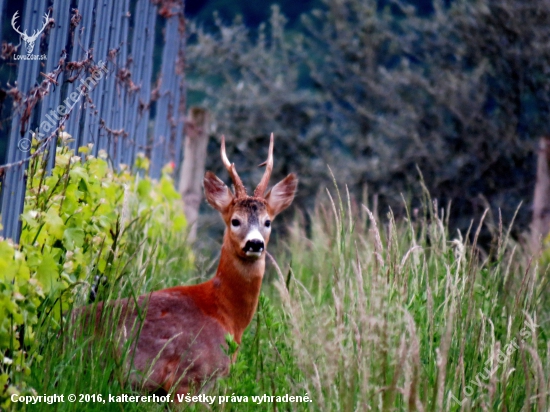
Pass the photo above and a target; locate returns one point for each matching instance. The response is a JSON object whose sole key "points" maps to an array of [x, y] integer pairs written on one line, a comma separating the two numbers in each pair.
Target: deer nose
{"points": [[254, 246]]}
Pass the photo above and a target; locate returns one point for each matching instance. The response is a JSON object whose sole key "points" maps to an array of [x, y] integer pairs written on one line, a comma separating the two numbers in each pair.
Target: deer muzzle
{"points": [[254, 244]]}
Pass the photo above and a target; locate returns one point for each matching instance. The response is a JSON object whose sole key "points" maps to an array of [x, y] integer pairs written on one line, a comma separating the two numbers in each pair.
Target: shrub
{"points": [[374, 89], [81, 227]]}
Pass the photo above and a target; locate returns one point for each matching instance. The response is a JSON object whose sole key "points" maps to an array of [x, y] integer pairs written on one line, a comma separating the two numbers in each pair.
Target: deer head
{"points": [[29, 40], [248, 218]]}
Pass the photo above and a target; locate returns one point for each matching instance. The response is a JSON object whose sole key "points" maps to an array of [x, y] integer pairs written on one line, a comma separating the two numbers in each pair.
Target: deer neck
{"points": [[237, 287]]}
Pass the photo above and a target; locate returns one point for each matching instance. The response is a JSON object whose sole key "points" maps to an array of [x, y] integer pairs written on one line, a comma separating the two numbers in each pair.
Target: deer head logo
{"points": [[29, 40]]}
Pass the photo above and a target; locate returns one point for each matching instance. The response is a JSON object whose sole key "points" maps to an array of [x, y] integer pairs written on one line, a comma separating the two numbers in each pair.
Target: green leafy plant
{"points": [[80, 227], [20, 297]]}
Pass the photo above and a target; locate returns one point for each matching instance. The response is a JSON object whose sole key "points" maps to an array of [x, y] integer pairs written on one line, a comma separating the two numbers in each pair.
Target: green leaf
{"points": [[78, 172], [7, 268], [53, 223], [232, 346], [179, 222], [167, 189], [47, 272], [73, 237], [30, 218], [144, 190]]}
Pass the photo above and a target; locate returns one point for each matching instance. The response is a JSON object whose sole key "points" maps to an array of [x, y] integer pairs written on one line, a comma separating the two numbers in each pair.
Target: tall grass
{"points": [[405, 316], [359, 312]]}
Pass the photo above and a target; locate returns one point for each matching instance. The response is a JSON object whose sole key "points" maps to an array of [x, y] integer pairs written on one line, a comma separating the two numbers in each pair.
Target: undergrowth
{"points": [[358, 312], [402, 315]]}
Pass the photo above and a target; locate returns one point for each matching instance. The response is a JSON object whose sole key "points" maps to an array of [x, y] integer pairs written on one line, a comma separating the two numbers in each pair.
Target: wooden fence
{"points": [[99, 72]]}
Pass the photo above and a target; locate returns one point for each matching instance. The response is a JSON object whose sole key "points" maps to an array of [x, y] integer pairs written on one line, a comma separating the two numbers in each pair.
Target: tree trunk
{"points": [[540, 226], [192, 169]]}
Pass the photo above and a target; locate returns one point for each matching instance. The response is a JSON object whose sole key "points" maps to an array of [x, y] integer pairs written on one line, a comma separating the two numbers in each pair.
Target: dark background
{"points": [[467, 90], [379, 93], [256, 12]]}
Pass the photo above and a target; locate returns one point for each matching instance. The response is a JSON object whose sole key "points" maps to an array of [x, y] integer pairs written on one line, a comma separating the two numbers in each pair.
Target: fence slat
{"points": [[110, 101], [165, 100], [58, 43], [82, 37], [146, 79], [1, 14], [120, 92], [100, 43], [133, 73], [167, 118]]}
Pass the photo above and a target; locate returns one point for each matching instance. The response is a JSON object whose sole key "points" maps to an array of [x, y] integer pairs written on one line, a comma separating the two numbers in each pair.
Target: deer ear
{"points": [[282, 194], [217, 193]]}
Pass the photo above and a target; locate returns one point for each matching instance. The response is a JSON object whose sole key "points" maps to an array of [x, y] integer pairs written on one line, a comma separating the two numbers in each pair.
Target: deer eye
{"points": [[235, 222], [267, 223]]}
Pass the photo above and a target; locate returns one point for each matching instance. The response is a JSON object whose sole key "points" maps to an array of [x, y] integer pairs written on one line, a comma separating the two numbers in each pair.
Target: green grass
{"points": [[403, 316], [360, 313]]}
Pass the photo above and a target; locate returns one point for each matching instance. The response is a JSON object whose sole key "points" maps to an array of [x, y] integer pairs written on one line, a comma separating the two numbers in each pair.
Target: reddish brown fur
{"points": [[182, 338]]}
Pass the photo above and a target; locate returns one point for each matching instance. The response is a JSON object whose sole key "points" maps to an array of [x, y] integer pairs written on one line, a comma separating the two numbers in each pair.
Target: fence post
{"points": [[192, 169], [540, 226]]}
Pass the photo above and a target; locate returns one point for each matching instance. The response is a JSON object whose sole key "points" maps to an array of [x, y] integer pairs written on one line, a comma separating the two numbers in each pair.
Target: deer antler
{"points": [[35, 33], [240, 190], [13, 20], [262, 186]]}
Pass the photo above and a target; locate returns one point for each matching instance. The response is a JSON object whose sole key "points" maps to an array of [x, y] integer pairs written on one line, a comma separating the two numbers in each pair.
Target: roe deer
{"points": [[179, 338]]}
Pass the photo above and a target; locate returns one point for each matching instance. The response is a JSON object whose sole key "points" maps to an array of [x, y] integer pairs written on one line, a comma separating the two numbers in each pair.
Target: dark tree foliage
{"points": [[374, 92], [253, 12]]}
